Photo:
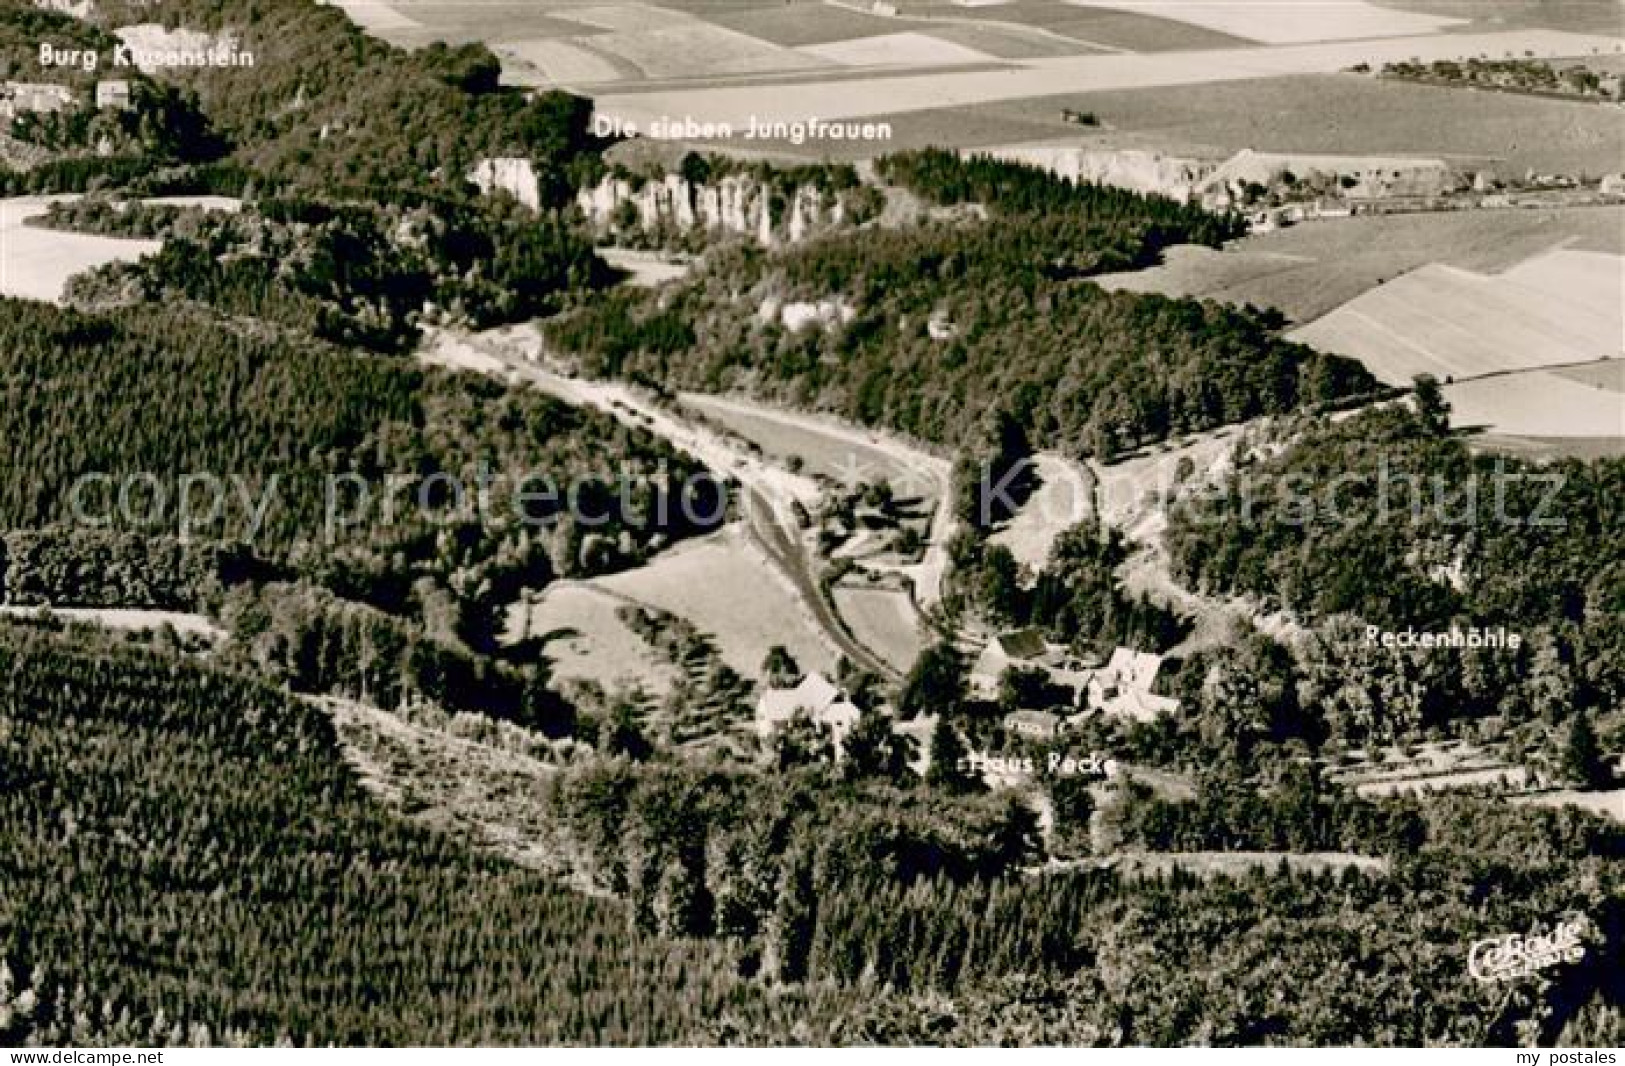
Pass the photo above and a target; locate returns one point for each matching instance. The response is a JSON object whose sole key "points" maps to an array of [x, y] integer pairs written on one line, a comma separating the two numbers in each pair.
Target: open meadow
{"points": [[1541, 404], [1064, 498], [585, 639], [1286, 21], [883, 620], [843, 455], [1094, 26], [726, 588], [1316, 112]]}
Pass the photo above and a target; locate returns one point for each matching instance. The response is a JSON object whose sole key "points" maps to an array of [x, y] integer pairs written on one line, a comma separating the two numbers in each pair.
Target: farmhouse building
{"points": [[1026, 649], [816, 697], [1123, 687]]}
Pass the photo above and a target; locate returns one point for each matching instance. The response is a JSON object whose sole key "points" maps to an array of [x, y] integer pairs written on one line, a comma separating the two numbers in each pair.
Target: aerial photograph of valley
{"points": [[650, 524]]}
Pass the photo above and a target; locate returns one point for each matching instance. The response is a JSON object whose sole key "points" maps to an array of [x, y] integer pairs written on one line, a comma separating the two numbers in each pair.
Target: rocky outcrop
{"points": [[738, 204], [1139, 171], [513, 175]]}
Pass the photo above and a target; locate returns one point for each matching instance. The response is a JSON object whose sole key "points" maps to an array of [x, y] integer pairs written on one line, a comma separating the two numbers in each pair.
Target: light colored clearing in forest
{"points": [[896, 49], [646, 269], [1610, 804], [558, 62], [1064, 498], [883, 620], [586, 639], [474, 778], [698, 49], [1050, 77], [1284, 21], [130, 619], [36, 263], [828, 444], [374, 16], [1537, 404], [1559, 308], [846, 455], [1239, 863], [728, 590]]}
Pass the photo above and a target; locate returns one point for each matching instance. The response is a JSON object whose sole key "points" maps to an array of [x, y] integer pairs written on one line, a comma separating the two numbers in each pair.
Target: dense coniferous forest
{"points": [[928, 328]]}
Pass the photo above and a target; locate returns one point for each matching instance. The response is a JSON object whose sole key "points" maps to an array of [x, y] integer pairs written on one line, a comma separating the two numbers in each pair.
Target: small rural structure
{"points": [[1123, 687], [1033, 725], [816, 697], [113, 93]]}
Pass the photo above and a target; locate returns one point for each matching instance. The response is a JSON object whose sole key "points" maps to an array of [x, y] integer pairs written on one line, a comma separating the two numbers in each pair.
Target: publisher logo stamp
{"points": [[1513, 956]]}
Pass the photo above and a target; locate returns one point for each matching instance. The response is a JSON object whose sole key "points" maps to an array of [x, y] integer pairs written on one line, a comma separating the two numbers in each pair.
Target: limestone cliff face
{"points": [[735, 204], [515, 176], [1135, 170]]}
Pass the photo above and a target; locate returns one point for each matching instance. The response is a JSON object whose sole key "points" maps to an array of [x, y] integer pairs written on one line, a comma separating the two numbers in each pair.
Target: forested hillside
{"points": [[1385, 519], [325, 106], [144, 905], [930, 328], [360, 274], [164, 124]]}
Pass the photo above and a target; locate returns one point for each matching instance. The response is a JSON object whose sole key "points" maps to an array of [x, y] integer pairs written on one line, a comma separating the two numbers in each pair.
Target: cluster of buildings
{"points": [[18, 98], [1121, 686]]}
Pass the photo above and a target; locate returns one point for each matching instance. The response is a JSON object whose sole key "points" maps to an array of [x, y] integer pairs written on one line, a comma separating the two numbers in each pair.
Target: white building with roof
{"points": [[817, 698], [1123, 687]]}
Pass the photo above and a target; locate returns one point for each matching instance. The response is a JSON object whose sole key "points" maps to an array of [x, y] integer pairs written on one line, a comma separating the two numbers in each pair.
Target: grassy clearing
{"points": [[727, 589], [909, 49], [1608, 375], [1560, 308], [1342, 114], [583, 638], [1286, 21], [1337, 113], [695, 49], [1537, 405], [36, 263], [1063, 499], [796, 24], [884, 620], [839, 455], [1579, 16], [1089, 24]]}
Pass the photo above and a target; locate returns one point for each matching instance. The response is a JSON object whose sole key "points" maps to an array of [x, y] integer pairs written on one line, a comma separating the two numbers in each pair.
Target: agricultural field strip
{"points": [[1284, 21], [1022, 28], [130, 619], [1562, 308], [730, 589], [1050, 77], [885, 620]]}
